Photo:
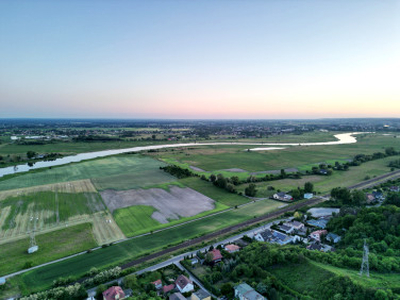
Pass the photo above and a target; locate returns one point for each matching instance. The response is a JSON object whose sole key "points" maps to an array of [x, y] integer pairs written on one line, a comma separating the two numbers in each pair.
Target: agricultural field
{"points": [[131, 249], [52, 245], [111, 169], [138, 211]]}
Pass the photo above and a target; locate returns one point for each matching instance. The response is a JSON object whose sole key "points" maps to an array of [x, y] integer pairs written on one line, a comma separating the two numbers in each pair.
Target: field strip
{"points": [[78, 186], [105, 228]]}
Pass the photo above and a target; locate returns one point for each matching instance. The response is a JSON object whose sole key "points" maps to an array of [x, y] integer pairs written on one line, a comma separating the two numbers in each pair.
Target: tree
{"points": [[99, 291], [251, 190], [394, 199], [308, 187], [213, 178], [30, 154], [227, 290], [296, 194], [221, 181], [130, 281], [235, 180]]}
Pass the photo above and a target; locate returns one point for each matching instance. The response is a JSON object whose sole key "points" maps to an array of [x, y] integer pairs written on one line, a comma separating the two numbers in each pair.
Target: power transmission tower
{"points": [[365, 263], [33, 247]]}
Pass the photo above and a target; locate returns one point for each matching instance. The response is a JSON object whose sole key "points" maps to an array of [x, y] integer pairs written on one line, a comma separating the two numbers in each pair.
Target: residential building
{"points": [[184, 284], [295, 225], [315, 246], [216, 256], [245, 292], [317, 235], [168, 288], [321, 223], [157, 284], [282, 196], [286, 229], [394, 189], [200, 295], [231, 248], [370, 198], [176, 296], [113, 293], [264, 236], [334, 238]]}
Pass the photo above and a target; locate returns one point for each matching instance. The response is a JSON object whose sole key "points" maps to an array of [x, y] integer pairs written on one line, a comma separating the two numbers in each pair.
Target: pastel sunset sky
{"points": [[199, 59]]}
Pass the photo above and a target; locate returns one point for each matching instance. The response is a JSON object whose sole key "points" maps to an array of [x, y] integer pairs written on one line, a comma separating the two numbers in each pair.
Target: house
{"points": [[245, 292], [231, 248], [286, 229], [334, 238], [157, 284], [370, 198], [184, 284], [216, 256], [308, 195], [281, 238], [321, 223], [323, 171], [394, 189], [314, 246], [282, 196], [113, 293], [176, 296], [264, 236], [378, 196], [168, 288], [317, 235], [200, 295], [295, 225]]}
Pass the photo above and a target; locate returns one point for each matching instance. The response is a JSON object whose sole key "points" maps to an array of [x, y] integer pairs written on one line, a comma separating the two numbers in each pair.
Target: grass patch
{"points": [[52, 245]]}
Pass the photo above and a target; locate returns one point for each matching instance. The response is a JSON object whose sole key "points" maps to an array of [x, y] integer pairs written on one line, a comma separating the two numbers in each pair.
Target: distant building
{"points": [[282, 196], [264, 236], [113, 293], [286, 229], [184, 284], [245, 292], [308, 195], [370, 198]]}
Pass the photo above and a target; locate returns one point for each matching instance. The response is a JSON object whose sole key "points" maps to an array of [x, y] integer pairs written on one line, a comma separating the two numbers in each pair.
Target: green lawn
{"points": [[52, 245], [105, 172], [213, 192], [43, 277]]}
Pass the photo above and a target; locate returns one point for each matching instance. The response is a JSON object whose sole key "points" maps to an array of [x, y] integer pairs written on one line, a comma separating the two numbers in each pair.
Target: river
{"points": [[343, 138]]}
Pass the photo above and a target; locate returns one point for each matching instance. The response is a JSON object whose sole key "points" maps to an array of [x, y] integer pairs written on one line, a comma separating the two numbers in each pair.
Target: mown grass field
{"points": [[105, 173], [52, 245], [213, 158], [102, 258]]}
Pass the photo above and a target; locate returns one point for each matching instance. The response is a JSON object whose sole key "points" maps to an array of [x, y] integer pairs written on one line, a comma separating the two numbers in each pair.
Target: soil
{"points": [[173, 204]]}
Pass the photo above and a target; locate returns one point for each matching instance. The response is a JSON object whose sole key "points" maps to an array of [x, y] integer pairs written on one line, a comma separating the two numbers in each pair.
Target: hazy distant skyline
{"points": [[199, 59]]}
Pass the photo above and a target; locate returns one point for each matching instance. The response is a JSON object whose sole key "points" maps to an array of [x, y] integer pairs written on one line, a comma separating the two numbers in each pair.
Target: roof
{"points": [[295, 224], [232, 247], [243, 288], [285, 228], [216, 254], [319, 232], [182, 281], [281, 194], [279, 235], [201, 294], [168, 288], [113, 292], [332, 236], [314, 247], [177, 296], [157, 282], [318, 223]]}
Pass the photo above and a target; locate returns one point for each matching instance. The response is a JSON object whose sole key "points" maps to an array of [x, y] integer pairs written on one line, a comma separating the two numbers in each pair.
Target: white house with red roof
{"points": [[113, 293], [184, 284], [317, 235]]}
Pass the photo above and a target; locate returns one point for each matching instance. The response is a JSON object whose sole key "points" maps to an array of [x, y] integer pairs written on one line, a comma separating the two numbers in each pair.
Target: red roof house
{"points": [[113, 293], [157, 284], [232, 248], [216, 255]]}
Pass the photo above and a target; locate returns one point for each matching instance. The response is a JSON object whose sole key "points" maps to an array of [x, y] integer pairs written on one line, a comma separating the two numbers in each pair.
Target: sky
{"points": [[209, 59]]}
